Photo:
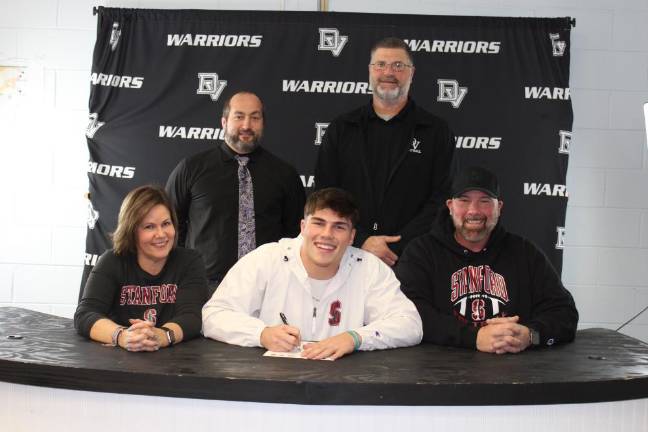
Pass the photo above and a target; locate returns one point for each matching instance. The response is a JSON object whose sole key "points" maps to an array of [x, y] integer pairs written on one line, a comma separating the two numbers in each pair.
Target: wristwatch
{"points": [[169, 334], [534, 337]]}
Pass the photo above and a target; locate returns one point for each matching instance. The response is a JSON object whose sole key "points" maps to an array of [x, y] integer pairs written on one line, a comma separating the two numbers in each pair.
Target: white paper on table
{"points": [[296, 353]]}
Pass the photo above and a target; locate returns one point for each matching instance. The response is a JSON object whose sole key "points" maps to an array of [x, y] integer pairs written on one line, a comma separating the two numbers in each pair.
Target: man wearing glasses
{"points": [[393, 156]]}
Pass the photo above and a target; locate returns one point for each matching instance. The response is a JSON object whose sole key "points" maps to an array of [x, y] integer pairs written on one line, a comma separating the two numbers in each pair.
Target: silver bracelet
{"points": [[115, 335]]}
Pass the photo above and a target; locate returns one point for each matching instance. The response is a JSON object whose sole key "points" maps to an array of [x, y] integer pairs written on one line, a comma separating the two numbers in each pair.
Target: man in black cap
{"points": [[476, 285]]}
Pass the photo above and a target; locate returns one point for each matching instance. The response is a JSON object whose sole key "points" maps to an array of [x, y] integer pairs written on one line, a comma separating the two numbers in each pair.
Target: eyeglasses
{"points": [[396, 66]]}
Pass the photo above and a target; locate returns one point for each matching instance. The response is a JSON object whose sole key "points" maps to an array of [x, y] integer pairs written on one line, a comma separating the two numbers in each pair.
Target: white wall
{"points": [[43, 149]]}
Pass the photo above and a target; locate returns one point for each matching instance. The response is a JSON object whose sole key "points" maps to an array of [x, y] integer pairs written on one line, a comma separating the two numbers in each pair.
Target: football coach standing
{"points": [[393, 156]]}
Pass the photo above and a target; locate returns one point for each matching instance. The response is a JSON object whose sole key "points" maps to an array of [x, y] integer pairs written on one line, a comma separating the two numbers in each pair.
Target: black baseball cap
{"points": [[475, 178]]}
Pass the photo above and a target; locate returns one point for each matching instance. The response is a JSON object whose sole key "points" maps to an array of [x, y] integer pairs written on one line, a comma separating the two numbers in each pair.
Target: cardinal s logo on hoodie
{"points": [[478, 293]]}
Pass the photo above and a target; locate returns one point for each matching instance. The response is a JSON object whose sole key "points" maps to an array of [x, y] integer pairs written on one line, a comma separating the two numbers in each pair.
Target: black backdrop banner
{"points": [[159, 79]]}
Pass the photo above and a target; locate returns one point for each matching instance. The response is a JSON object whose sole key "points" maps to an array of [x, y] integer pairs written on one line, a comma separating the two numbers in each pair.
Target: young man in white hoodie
{"points": [[322, 288]]}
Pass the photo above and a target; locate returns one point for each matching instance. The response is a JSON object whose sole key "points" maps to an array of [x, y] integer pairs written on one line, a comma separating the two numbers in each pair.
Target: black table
{"points": [[601, 365]]}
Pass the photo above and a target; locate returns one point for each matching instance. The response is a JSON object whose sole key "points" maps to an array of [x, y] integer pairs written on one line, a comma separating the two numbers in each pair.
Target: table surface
{"points": [[601, 365]]}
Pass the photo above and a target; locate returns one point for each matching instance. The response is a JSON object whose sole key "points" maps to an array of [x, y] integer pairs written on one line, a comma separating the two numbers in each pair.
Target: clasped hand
{"points": [[140, 336], [503, 335]]}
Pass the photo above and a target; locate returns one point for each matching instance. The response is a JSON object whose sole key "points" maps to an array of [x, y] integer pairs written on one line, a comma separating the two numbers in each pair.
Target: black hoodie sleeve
{"points": [[553, 311], [98, 294], [418, 273]]}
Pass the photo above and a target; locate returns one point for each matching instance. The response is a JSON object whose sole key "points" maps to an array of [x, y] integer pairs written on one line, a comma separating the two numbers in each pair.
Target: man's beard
{"points": [[390, 95], [242, 147], [476, 235]]}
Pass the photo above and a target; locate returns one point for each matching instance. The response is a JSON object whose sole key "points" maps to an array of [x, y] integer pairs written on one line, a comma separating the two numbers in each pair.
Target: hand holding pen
{"points": [[283, 337]]}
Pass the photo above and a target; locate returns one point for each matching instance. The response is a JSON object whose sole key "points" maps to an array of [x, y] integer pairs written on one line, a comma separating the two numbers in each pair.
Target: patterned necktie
{"points": [[246, 234]]}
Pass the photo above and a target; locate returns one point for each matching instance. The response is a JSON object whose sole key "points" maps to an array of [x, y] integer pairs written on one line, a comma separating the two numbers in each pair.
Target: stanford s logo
{"points": [[209, 84], [335, 313], [150, 315], [330, 40], [449, 91]]}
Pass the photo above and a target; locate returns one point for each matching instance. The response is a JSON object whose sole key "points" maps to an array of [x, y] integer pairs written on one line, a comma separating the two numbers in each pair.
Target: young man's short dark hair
{"points": [[338, 200]]}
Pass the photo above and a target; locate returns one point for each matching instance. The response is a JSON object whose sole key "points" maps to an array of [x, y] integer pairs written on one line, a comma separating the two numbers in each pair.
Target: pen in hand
{"points": [[285, 321], [283, 318]]}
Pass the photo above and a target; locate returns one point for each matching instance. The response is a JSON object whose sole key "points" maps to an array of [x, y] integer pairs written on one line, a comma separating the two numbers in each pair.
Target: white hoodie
{"points": [[364, 296]]}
